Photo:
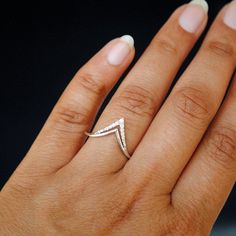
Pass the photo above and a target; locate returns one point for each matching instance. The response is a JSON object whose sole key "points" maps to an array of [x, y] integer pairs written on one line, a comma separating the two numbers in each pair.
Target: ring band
{"points": [[118, 127]]}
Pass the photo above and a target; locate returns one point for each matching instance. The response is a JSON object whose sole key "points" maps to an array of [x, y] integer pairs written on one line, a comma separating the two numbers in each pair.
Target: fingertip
{"points": [[193, 16], [128, 39], [120, 50]]}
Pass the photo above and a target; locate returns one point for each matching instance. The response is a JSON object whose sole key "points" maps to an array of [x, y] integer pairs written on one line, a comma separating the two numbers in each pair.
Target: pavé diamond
{"points": [[120, 134]]}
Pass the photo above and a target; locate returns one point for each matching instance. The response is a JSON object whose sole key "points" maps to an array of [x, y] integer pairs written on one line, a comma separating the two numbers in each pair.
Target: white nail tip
{"points": [[128, 39], [202, 3], [230, 16]]}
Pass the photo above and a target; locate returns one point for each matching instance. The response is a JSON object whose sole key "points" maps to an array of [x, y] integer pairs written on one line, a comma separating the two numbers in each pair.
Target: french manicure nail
{"points": [[193, 15], [230, 15], [120, 50]]}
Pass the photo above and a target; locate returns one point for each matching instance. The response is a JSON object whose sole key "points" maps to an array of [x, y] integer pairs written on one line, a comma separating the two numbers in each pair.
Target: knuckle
{"points": [[188, 222], [23, 187], [220, 48], [68, 198], [192, 106], [69, 119], [124, 210], [166, 45], [184, 222], [91, 84], [137, 101], [119, 213], [25, 182], [221, 146]]}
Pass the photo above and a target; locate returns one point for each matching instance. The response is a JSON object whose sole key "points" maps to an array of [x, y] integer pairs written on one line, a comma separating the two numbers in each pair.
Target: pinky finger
{"points": [[63, 134]]}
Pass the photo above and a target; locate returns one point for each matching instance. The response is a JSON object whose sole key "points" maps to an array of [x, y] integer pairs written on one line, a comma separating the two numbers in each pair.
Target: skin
{"points": [[69, 186]]}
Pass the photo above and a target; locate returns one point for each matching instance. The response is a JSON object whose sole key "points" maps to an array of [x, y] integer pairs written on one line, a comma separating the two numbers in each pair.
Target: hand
{"points": [[183, 151]]}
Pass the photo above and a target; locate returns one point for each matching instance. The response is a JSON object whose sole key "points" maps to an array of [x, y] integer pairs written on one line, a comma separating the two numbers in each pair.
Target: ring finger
{"points": [[141, 94]]}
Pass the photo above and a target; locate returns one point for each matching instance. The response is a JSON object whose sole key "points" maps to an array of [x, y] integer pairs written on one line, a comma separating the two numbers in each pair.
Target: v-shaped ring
{"points": [[118, 127]]}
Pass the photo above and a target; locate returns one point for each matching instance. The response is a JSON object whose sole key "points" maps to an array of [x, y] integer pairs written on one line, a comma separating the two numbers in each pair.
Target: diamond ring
{"points": [[118, 127]]}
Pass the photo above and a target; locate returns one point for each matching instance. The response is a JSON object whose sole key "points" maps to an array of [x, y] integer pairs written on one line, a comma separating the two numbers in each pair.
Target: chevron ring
{"points": [[118, 127]]}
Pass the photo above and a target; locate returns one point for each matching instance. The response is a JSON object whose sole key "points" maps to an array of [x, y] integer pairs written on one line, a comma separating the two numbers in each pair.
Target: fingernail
{"points": [[193, 15], [118, 53], [230, 15]]}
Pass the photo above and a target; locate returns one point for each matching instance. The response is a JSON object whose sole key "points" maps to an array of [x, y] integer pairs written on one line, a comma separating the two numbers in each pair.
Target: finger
{"points": [[142, 92], [63, 134], [211, 174], [179, 126]]}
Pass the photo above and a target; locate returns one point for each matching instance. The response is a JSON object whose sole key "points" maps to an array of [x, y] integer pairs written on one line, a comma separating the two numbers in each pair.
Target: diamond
{"points": [[120, 131]]}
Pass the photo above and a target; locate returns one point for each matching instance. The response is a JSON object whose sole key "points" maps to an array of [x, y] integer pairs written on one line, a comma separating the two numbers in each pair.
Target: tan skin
{"points": [[183, 163]]}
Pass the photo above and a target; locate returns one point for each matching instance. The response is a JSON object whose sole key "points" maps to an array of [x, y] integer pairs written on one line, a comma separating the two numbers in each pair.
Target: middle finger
{"points": [[181, 123]]}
